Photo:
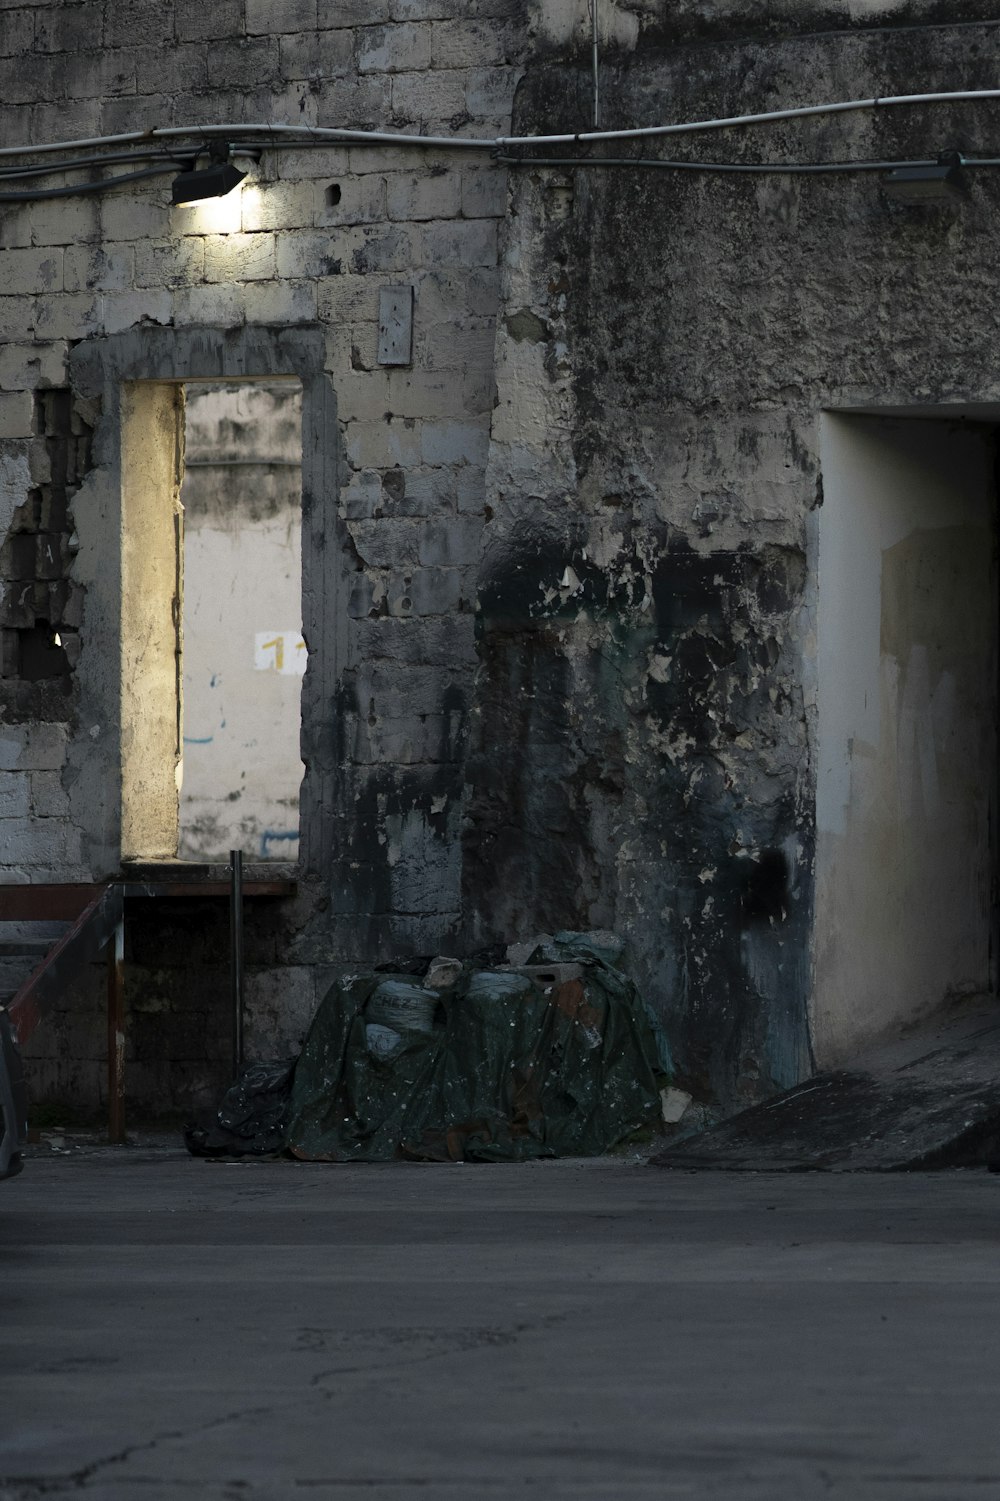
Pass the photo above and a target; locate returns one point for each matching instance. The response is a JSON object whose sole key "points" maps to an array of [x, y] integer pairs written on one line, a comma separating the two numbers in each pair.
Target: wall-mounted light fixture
{"points": [[213, 181], [935, 183]]}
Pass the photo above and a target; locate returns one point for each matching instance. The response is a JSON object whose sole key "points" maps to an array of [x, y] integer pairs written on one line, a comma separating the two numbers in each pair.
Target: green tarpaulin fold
{"points": [[492, 1068]]}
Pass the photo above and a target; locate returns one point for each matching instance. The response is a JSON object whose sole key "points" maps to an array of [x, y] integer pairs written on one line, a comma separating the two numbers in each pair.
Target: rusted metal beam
{"points": [[53, 903], [81, 944], [275, 888]]}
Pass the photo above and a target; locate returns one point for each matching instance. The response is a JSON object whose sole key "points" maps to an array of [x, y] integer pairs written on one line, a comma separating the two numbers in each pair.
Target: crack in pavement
{"points": [[26, 1487], [436, 1342]]}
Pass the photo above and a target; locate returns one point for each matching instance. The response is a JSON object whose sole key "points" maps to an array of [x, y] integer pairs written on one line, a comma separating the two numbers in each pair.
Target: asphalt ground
{"points": [[177, 1328]]}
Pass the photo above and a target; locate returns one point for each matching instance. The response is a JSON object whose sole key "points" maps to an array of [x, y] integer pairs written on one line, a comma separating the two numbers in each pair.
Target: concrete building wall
{"points": [[560, 572], [645, 753], [395, 492]]}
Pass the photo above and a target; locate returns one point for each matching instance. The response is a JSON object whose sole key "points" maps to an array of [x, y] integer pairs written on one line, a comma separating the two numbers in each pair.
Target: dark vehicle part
{"points": [[13, 1101]]}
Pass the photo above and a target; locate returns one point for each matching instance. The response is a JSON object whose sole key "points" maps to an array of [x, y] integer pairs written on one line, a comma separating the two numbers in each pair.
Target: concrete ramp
{"points": [[932, 1099]]}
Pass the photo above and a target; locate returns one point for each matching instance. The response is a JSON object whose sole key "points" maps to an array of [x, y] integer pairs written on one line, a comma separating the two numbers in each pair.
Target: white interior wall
{"points": [[243, 650], [906, 773]]}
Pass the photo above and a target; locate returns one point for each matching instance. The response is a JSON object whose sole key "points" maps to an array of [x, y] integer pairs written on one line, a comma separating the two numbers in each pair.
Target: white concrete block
{"points": [[455, 346], [394, 49], [328, 161], [14, 796], [26, 366], [125, 309], [344, 199], [193, 20], [484, 192], [17, 34], [376, 247], [17, 316], [363, 396], [436, 95], [450, 294], [468, 43], [13, 739], [27, 272], [217, 304], [88, 269], [64, 221], [38, 747], [271, 16], [167, 263], [489, 92], [67, 315], [356, 102], [347, 299], [49, 798], [430, 492], [126, 216], [308, 254], [281, 205], [15, 226], [17, 414], [414, 195], [454, 442], [354, 12], [362, 495], [380, 445], [471, 487], [239, 257], [465, 242], [277, 302], [330, 54], [31, 842]]}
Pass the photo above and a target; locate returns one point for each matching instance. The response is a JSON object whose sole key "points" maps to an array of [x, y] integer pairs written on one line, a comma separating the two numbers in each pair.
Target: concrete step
{"points": [[930, 1099]]}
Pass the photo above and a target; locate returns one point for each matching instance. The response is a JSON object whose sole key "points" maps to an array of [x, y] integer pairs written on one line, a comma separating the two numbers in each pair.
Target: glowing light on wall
{"points": [[212, 216]]}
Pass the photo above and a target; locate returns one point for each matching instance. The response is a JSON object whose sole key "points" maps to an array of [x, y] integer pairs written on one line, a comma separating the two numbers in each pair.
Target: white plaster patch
{"points": [[15, 482], [560, 21]]}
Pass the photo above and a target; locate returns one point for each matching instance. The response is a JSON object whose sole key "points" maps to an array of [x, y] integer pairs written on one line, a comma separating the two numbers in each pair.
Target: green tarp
{"points": [[492, 1068]]}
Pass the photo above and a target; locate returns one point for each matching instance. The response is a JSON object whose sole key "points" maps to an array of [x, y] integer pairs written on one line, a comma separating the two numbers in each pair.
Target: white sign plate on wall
{"points": [[280, 651]]}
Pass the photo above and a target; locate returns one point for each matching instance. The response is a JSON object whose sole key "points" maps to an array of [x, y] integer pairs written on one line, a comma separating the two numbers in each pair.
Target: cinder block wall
{"points": [[597, 669], [317, 234]]}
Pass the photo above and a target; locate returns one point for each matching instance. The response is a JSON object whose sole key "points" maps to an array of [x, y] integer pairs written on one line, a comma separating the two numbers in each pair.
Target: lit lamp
{"points": [[942, 180], [213, 181]]}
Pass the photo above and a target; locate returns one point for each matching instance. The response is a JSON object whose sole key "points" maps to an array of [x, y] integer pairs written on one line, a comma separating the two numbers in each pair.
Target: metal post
{"points": [[236, 953], [595, 64], [116, 1032]]}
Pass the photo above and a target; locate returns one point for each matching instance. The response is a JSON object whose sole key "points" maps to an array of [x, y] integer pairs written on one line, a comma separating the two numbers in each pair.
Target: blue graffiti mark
{"points": [[213, 680], [268, 836], [198, 739]]}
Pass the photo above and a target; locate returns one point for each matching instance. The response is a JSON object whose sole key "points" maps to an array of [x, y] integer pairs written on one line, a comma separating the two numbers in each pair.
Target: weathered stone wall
{"points": [[644, 756], [624, 733], [400, 497]]}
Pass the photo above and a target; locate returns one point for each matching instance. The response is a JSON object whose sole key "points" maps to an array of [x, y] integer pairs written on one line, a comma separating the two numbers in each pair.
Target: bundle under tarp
{"points": [[496, 1065]]}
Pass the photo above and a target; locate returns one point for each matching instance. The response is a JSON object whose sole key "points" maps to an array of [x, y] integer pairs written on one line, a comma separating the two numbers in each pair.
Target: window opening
{"points": [[242, 650]]}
